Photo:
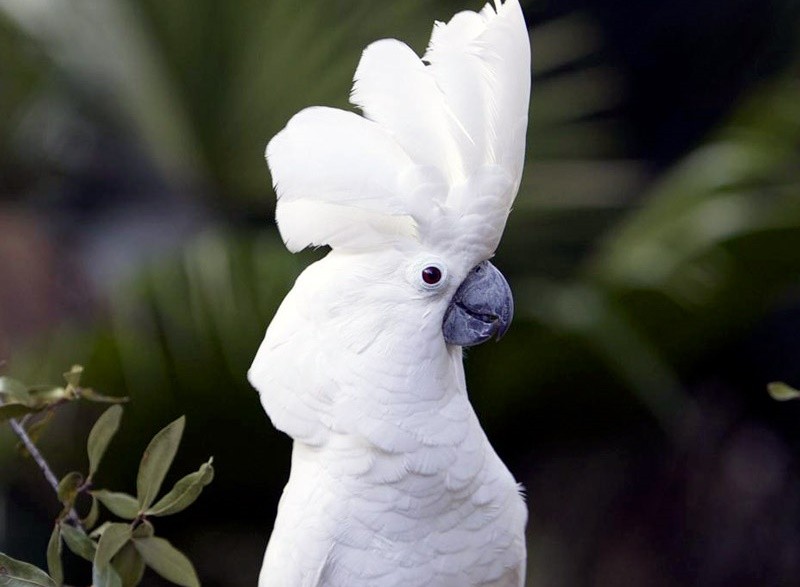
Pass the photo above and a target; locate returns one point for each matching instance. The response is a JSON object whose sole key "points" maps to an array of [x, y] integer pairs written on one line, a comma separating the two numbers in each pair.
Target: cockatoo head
{"points": [[413, 196]]}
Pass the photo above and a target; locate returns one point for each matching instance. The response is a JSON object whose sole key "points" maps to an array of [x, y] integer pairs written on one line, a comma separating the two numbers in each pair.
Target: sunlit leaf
{"points": [[185, 491], [14, 389], [93, 396], [73, 376], [44, 396], [156, 461], [68, 488], [167, 561], [78, 542], [782, 392], [129, 565], [10, 411], [14, 573], [54, 566], [100, 436], [91, 518], [121, 504]]}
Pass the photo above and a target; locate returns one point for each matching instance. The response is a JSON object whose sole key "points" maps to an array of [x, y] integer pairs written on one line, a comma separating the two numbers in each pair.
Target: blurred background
{"points": [[654, 251]]}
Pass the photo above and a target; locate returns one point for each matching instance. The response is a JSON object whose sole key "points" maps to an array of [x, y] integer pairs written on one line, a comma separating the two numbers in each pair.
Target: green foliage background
{"points": [[122, 120]]}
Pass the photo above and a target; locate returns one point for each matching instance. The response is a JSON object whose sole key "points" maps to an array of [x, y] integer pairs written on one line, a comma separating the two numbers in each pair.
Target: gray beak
{"points": [[481, 308]]}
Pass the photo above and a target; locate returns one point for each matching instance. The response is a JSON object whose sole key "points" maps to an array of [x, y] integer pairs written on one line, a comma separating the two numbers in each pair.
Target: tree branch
{"points": [[37, 456]]}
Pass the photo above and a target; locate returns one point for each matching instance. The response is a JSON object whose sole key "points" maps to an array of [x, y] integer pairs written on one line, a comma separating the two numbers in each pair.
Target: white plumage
{"points": [[393, 481]]}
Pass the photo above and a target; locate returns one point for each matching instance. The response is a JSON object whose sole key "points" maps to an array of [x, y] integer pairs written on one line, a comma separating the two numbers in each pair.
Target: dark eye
{"points": [[431, 275]]}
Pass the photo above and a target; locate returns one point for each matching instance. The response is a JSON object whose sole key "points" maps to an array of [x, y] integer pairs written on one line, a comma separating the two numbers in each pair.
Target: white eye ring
{"points": [[429, 274]]}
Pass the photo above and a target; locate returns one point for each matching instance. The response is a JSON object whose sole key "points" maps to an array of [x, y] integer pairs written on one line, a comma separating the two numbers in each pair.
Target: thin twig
{"points": [[37, 456], [34, 452]]}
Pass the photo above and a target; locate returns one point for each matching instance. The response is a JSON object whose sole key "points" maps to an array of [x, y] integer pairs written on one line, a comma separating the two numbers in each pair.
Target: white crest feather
{"points": [[394, 88], [336, 177], [364, 181]]}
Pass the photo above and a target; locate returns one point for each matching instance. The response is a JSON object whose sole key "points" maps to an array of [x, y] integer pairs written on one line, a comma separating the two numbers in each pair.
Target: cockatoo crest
{"points": [[437, 156]]}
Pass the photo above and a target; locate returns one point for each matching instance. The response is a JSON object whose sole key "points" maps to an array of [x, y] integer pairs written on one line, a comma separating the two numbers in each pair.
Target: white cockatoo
{"points": [[393, 481]]}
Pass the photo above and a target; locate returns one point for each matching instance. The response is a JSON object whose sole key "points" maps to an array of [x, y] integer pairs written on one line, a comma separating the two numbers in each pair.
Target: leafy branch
{"points": [[20, 401], [118, 551]]}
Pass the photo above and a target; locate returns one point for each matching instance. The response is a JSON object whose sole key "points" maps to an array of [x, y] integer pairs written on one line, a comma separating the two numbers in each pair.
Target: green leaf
{"points": [[13, 410], [105, 576], [73, 376], [782, 392], [98, 532], [54, 556], [129, 565], [78, 542], [68, 488], [156, 461], [121, 504], [112, 540], [100, 436], [91, 518], [14, 389], [167, 561], [14, 573], [41, 397], [93, 396], [185, 491], [143, 530]]}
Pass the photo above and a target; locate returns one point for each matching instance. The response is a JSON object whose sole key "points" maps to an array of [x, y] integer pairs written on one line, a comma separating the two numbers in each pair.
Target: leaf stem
{"points": [[19, 430]]}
